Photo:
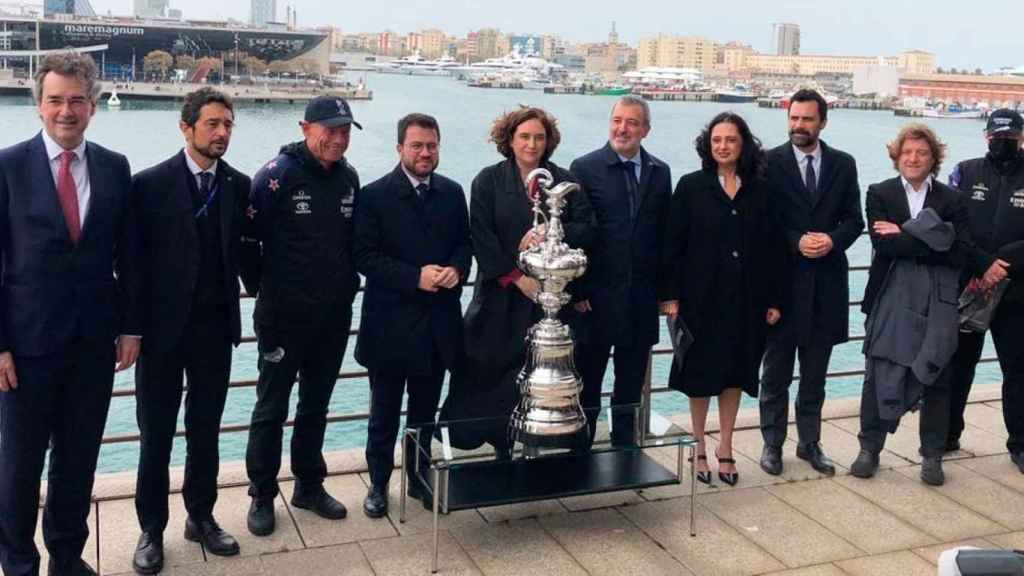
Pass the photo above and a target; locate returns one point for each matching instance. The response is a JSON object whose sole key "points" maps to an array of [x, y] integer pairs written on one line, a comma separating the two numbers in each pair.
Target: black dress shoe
{"points": [[76, 568], [376, 503], [1018, 459], [813, 454], [931, 471], [320, 503], [261, 517], [213, 538], [865, 465], [149, 554], [771, 460]]}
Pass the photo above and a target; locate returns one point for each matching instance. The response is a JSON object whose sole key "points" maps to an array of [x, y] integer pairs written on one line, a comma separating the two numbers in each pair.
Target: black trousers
{"points": [[387, 385], [1008, 336], [61, 402], [934, 417], [630, 368], [314, 354], [776, 377], [203, 355]]}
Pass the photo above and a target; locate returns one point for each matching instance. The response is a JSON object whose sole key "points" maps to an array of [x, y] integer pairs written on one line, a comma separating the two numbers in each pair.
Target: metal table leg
{"points": [[401, 491], [435, 475]]}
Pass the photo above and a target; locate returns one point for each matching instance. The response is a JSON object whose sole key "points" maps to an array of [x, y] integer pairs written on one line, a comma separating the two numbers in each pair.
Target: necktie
{"points": [[205, 179], [632, 187], [810, 178], [421, 190], [67, 193]]}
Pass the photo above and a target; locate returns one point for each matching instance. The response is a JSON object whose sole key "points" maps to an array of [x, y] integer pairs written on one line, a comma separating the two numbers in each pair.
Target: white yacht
{"points": [[514, 62], [416, 65]]}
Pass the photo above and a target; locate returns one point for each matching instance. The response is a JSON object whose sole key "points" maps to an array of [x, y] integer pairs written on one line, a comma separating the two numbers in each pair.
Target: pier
{"points": [[255, 93]]}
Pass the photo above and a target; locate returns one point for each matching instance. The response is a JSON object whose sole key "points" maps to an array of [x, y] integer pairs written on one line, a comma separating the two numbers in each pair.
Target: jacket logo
{"points": [[1017, 199], [302, 207], [978, 195]]}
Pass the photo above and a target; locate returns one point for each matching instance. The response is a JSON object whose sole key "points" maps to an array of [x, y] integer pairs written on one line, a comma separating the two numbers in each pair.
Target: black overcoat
{"points": [[817, 294], [696, 255], [498, 317], [396, 234]]}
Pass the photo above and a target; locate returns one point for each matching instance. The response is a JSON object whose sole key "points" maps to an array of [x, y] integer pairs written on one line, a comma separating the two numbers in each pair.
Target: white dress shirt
{"points": [[414, 180], [801, 162], [79, 172], [915, 198], [197, 170]]}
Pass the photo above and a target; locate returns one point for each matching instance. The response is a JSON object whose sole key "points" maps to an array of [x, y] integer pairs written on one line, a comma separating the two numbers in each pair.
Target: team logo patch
{"points": [[1017, 198], [303, 202], [251, 212], [978, 193], [273, 185]]}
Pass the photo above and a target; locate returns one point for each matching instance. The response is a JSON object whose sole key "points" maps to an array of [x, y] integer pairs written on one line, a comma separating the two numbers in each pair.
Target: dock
{"points": [[677, 96], [799, 523], [146, 91]]}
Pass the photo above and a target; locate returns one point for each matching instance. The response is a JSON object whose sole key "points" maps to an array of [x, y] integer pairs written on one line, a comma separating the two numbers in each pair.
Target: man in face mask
{"points": [[994, 189]]}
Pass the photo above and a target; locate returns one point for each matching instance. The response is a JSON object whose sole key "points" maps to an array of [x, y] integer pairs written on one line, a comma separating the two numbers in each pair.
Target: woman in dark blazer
{"points": [[723, 259], [503, 307]]}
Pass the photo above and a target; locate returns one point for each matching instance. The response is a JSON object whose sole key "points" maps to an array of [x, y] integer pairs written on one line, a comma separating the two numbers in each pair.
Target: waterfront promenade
{"points": [[797, 524]]}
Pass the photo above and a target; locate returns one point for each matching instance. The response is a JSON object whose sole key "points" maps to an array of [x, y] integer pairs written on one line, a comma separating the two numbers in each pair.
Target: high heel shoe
{"points": [[703, 476], [730, 478]]}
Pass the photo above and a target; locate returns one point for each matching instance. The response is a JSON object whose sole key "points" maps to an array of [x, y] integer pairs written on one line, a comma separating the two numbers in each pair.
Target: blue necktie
{"points": [[810, 178]]}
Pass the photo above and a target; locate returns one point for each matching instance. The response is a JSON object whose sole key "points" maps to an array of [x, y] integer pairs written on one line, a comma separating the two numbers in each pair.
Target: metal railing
{"points": [[648, 390]]}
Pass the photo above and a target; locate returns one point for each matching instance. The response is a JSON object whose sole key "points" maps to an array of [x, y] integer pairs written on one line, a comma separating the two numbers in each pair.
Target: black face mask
{"points": [[1003, 149]]}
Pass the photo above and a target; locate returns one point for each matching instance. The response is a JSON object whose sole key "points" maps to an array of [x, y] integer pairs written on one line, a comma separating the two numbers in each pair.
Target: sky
{"points": [[988, 35]]}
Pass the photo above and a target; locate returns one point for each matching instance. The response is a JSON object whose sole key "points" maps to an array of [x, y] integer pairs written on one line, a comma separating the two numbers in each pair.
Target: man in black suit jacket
{"points": [[68, 312], [412, 243], [817, 199], [917, 155], [629, 190], [190, 209]]}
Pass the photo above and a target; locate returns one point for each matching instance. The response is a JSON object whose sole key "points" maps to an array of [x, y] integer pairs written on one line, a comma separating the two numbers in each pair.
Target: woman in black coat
{"points": [[503, 306], [723, 260]]}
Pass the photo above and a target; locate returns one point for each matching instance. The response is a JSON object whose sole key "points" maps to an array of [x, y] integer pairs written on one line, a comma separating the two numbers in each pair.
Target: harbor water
{"points": [[147, 133]]}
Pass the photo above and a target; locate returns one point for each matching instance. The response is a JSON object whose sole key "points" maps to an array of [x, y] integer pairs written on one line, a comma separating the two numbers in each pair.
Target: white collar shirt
{"points": [[79, 172], [915, 198], [196, 170], [802, 159]]}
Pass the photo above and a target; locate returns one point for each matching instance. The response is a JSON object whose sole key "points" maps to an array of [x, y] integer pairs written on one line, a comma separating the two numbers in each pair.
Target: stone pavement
{"points": [[798, 524]]}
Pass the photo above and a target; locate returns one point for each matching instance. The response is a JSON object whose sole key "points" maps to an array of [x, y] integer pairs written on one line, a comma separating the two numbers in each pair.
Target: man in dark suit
{"points": [[412, 243], [190, 210], [68, 313], [817, 199], [917, 154], [629, 190]]}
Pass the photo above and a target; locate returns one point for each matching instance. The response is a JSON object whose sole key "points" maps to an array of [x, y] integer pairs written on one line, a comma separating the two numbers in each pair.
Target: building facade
{"points": [[785, 39], [150, 8], [737, 58], [263, 11], [995, 91], [665, 51]]}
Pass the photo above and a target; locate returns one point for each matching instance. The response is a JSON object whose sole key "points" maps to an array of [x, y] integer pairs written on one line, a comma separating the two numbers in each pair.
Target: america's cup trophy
{"points": [[549, 413]]}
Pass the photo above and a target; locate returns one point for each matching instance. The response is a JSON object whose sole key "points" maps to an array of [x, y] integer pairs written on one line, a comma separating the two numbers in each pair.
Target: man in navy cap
{"points": [[297, 259], [994, 190]]}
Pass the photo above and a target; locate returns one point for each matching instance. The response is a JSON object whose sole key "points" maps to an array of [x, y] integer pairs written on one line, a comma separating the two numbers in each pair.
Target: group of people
{"points": [[102, 269]]}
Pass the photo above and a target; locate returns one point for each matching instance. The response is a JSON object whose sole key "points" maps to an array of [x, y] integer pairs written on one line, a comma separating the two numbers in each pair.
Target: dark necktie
{"points": [[810, 178], [421, 190], [205, 181], [632, 187], [67, 193]]}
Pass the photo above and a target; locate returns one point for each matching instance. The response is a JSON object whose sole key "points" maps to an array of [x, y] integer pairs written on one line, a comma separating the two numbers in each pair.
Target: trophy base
{"points": [[574, 437]]}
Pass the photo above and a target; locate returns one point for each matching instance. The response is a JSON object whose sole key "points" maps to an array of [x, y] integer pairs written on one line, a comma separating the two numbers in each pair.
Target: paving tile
{"points": [[347, 560], [986, 417], [411, 555], [418, 519], [119, 533], [980, 442], [901, 563], [843, 447], [496, 514], [786, 534], [605, 542], [88, 553], [284, 538], [983, 495], [932, 553], [317, 531], [1013, 540], [606, 500], [717, 549], [847, 514], [749, 443], [516, 548], [818, 570], [904, 443], [999, 468], [233, 566], [921, 506]]}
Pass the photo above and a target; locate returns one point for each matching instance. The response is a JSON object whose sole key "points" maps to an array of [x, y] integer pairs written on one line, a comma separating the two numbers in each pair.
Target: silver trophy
{"points": [[549, 413]]}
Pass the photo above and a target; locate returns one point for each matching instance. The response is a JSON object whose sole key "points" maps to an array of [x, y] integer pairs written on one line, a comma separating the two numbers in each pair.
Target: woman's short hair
{"points": [[504, 127], [917, 131], [752, 163]]}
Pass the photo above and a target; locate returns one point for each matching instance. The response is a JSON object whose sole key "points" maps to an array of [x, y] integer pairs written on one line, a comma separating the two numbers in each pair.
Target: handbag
{"points": [[978, 306], [680, 335]]}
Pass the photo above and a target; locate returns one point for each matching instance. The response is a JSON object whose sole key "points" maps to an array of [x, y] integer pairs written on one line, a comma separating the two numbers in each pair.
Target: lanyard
{"points": [[209, 198]]}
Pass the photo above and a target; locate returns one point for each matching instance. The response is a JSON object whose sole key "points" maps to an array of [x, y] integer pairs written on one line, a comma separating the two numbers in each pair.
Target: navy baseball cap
{"points": [[330, 111], [1004, 122]]}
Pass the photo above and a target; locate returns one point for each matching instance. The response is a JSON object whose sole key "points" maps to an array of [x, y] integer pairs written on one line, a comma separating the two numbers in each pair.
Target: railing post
{"points": [[645, 427]]}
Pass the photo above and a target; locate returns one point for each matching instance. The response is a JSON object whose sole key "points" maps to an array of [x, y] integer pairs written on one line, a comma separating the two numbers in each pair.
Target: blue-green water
{"points": [[147, 133]]}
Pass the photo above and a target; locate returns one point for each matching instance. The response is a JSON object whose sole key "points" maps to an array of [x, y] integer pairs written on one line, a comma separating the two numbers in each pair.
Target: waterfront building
{"points": [[263, 11], [744, 59], [666, 51], [785, 39], [966, 89], [150, 8]]}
